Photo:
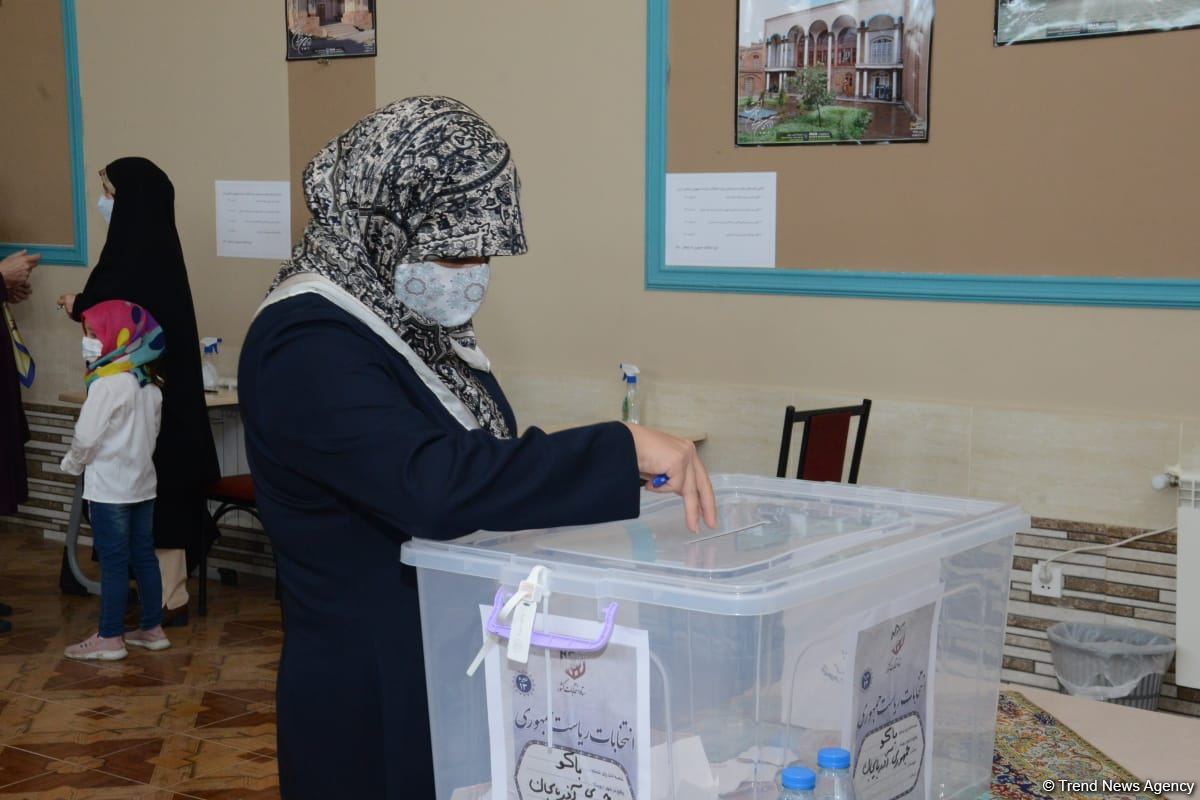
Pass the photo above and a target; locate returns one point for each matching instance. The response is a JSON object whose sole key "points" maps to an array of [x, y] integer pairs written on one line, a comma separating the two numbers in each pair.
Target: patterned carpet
{"points": [[1033, 747]]}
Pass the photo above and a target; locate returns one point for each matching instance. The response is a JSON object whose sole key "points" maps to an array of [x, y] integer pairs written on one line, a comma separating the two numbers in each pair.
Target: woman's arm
{"points": [[95, 291], [105, 284], [323, 408]]}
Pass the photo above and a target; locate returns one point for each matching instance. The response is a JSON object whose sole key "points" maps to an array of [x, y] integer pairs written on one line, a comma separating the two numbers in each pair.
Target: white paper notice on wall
{"points": [[720, 219], [254, 219]]}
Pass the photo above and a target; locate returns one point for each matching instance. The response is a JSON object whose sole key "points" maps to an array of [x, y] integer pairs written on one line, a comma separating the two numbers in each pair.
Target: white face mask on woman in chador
{"points": [[105, 205], [447, 295]]}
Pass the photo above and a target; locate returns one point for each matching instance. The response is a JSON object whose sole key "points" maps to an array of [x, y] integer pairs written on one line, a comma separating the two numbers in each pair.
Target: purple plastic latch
{"points": [[553, 641]]}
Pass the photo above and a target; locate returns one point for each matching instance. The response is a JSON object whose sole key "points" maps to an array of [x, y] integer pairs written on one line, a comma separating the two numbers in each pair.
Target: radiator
{"points": [[1187, 581]]}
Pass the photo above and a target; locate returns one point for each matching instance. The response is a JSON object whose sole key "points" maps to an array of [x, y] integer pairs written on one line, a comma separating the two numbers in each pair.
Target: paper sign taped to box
{"points": [[893, 674], [570, 724]]}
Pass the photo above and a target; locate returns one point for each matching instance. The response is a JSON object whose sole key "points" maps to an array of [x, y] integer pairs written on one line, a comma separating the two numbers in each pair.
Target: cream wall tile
{"points": [[920, 447], [1072, 466], [1140, 579], [547, 401], [1088, 468], [1027, 679], [1128, 601], [1055, 613], [1025, 652], [744, 423], [1143, 556], [1088, 559], [1189, 444], [1024, 642]]}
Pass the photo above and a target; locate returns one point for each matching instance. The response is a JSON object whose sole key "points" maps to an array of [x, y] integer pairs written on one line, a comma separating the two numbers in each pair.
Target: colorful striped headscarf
{"points": [[130, 339]]}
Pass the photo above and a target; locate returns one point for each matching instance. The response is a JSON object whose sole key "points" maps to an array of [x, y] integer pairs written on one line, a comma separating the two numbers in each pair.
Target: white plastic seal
{"points": [[522, 607]]}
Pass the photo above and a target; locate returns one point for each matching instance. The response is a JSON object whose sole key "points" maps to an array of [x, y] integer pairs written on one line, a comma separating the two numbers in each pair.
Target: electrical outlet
{"points": [[1046, 588]]}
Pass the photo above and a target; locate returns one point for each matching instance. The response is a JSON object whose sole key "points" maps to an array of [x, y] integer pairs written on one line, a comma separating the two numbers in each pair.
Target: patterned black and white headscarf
{"points": [[421, 179]]}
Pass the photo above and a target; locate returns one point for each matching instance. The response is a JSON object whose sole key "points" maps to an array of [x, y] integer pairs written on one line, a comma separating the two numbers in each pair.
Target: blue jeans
{"points": [[123, 536]]}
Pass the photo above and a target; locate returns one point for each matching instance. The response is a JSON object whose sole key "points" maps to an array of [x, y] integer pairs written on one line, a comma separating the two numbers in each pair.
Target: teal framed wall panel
{"points": [[74, 254], [1023, 289]]}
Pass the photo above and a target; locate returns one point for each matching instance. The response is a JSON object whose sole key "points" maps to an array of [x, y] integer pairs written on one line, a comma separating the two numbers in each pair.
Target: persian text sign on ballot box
{"points": [[814, 615]]}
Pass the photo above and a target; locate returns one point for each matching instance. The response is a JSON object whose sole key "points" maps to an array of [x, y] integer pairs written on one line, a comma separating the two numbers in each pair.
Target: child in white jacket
{"points": [[114, 441]]}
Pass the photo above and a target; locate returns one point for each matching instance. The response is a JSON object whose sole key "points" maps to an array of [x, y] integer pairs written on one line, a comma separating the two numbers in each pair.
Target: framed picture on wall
{"points": [[833, 71], [330, 29], [1027, 21]]}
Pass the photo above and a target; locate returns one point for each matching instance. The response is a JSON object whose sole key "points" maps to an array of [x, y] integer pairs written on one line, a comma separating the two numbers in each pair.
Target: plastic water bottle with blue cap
{"points": [[835, 781], [797, 783], [629, 408]]}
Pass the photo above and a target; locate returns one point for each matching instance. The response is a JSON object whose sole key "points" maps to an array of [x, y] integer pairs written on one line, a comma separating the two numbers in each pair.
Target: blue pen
{"points": [[659, 481]]}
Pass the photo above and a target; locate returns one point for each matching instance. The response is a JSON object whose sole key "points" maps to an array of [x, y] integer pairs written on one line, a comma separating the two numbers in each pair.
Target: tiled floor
{"points": [[195, 721]]}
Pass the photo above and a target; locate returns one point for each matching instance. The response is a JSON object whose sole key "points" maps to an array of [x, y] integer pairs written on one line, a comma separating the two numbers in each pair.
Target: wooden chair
{"points": [[823, 445]]}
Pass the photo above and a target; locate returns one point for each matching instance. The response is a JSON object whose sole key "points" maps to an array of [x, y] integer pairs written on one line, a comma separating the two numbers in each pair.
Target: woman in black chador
{"points": [[142, 262]]}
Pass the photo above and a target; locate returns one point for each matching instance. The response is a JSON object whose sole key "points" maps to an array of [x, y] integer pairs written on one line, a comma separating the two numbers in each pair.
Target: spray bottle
{"points": [[629, 408], [211, 346]]}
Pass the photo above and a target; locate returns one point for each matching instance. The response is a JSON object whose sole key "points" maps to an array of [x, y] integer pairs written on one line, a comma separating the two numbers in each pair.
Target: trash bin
{"points": [[1114, 663]]}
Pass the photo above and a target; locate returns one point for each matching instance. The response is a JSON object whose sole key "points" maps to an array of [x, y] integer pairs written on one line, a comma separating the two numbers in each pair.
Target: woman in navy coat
{"points": [[372, 416]]}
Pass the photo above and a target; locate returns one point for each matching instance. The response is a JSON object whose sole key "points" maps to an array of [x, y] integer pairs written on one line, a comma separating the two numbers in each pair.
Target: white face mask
{"points": [[105, 205], [92, 349], [448, 296]]}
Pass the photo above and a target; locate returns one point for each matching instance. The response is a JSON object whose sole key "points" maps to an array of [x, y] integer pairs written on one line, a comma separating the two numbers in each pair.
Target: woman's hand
{"points": [[19, 294], [659, 453], [67, 303], [17, 268]]}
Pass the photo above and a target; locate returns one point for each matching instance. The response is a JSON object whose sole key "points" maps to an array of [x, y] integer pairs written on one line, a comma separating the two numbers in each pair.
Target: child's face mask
{"points": [[449, 296], [92, 349]]}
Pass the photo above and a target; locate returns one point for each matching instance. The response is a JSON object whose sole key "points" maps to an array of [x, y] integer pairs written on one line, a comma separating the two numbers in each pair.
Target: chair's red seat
{"points": [[233, 489]]}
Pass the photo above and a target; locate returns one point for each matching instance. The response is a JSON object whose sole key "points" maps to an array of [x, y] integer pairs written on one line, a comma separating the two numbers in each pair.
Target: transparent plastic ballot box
{"points": [[636, 660]]}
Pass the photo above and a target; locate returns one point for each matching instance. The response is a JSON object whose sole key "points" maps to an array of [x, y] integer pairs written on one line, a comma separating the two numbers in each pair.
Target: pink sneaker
{"points": [[98, 648], [153, 639]]}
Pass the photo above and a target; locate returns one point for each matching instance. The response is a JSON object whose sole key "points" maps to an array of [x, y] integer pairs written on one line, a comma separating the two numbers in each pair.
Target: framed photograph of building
{"points": [[833, 71], [1028, 21], [330, 28]]}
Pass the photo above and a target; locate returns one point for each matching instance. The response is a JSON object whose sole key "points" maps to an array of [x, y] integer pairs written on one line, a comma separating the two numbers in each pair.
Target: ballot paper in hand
{"points": [[594, 739]]}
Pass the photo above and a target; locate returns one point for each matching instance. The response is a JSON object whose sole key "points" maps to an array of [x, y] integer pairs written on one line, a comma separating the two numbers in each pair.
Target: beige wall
{"points": [[35, 163], [1066, 410], [201, 89], [325, 97]]}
